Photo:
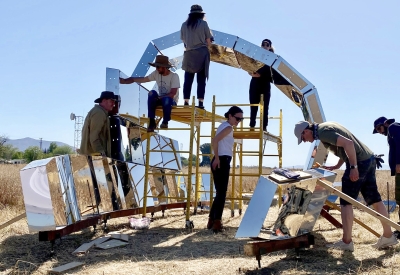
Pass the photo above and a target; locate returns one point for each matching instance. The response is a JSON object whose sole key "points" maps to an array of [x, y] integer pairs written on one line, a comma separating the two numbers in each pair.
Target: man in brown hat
{"points": [[96, 128], [168, 87]]}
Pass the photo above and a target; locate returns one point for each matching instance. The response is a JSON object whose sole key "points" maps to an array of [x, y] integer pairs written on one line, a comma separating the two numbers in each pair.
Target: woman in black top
{"points": [[261, 84]]}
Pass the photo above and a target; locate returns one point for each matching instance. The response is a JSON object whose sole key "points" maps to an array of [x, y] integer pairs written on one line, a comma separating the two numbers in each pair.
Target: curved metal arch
{"points": [[236, 52]]}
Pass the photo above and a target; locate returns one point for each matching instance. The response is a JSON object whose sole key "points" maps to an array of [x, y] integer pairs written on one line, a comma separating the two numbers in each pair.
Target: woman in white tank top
{"points": [[222, 145]]}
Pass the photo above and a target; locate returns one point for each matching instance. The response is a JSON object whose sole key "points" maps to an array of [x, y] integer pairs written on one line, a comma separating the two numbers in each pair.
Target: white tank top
{"points": [[225, 145]]}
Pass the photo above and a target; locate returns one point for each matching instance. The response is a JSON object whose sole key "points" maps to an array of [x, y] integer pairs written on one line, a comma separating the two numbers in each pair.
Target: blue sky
{"points": [[54, 56]]}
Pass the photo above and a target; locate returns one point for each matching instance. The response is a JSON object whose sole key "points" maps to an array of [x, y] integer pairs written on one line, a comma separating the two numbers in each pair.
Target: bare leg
{"points": [[347, 221], [381, 209]]}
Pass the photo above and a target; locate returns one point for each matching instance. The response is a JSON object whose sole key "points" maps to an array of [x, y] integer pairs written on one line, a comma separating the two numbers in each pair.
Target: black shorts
{"points": [[366, 183]]}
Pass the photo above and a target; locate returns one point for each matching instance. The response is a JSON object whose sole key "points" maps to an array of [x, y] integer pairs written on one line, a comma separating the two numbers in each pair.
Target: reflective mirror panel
{"points": [[56, 193], [171, 158], [84, 187], [136, 172], [126, 148], [223, 55], [112, 183], [68, 189], [181, 182], [37, 199], [158, 185], [125, 185], [257, 210], [103, 188], [155, 158], [206, 181]]}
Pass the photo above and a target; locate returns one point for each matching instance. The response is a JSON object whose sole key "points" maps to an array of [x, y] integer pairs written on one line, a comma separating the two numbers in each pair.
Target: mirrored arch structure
{"points": [[236, 52]]}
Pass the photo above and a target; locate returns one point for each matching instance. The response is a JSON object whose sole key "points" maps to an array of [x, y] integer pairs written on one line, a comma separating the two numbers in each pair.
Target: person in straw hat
{"points": [[196, 36], [168, 90], [359, 175]]}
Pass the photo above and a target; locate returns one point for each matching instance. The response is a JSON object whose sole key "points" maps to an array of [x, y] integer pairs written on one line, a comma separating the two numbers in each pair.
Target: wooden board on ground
{"points": [[281, 179], [13, 220], [328, 185], [100, 240], [60, 269], [83, 248], [122, 237], [111, 244]]}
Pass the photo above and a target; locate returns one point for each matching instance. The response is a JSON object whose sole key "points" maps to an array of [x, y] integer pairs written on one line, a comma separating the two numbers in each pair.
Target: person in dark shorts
{"points": [[359, 175]]}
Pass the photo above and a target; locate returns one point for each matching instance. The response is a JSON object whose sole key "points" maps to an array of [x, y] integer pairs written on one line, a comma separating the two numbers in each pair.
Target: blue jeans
{"points": [[166, 102], [201, 84]]}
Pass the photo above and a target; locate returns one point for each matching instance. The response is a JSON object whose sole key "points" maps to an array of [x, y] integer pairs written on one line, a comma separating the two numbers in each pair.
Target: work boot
{"points": [[217, 226], [210, 223], [164, 125]]}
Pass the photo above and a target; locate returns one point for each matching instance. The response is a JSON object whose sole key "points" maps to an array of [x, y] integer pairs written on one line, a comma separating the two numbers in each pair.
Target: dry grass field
{"points": [[167, 248]]}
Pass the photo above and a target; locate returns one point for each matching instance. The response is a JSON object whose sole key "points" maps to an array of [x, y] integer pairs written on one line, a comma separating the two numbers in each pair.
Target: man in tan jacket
{"points": [[96, 128]]}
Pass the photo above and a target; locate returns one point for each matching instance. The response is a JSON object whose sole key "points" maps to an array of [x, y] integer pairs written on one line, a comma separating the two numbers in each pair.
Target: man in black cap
{"points": [[168, 90], [96, 128], [391, 129], [359, 175]]}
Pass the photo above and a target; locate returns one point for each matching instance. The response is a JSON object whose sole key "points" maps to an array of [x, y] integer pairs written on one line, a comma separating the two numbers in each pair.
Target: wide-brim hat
{"points": [[299, 128], [196, 9], [105, 95], [161, 61], [381, 121]]}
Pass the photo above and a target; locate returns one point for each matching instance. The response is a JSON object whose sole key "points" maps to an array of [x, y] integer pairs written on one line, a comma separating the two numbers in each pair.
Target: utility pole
{"points": [[40, 142]]}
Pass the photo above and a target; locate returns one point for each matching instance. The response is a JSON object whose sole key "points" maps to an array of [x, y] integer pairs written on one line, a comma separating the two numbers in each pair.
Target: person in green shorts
{"points": [[359, 175]]}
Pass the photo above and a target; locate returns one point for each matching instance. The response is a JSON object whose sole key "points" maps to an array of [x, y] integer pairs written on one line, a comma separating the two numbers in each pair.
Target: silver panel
{"points": [[125, 145], [254, 51], [168, 41], [68, 189], [257, 210], [158, 185], [176, 62], [292, 76], [84, 187], [224, 39], [56, 193], [137, 177], [36, 192], [171, 158], [112, 80], [143, 66], [155, 158], [125, 185], [205, 187], [104, 188], [314, 107]]}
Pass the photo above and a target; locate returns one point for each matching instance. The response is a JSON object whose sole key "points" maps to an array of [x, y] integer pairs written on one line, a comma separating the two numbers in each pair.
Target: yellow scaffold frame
{"points": [[193, 117]]}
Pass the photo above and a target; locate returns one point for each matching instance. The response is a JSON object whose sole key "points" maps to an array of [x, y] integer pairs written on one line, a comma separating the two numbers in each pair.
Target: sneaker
{"points": [[186, 104], [200, 107], [150, 129], [340, 245], [384, 242], [164, 125]]}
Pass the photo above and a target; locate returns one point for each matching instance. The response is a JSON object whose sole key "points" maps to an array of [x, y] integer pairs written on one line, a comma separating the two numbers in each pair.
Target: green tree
{"points": [[52, 147], [18, 155], [8, 151], [33, 153], [205, 148], [62, 150], [184, 161], [3, 139]]}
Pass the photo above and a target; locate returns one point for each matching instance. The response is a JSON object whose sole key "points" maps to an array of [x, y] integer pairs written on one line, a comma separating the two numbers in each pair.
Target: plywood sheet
{"points": [[60, 269], [83, 248], [111, 244]]}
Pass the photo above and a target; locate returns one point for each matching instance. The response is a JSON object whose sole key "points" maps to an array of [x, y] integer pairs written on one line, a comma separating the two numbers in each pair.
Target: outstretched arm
{"points": [[130, 80]]}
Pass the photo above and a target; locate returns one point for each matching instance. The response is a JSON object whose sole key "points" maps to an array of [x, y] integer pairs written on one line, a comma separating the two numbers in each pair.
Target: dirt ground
{"points": [[167, 248]]}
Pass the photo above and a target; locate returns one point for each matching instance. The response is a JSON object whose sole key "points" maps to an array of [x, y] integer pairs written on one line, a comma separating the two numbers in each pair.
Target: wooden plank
{"points": [[263, 247], [83, 248], [282, 179], [60, 269], [334, 206], [324, 213], [375, 214], [100, 240], [122, 237], [111, 244], [13, 220]]}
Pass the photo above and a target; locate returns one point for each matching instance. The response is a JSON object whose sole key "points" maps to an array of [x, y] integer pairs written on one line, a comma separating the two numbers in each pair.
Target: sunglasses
{"points": [[238, 118], [266, 45]]}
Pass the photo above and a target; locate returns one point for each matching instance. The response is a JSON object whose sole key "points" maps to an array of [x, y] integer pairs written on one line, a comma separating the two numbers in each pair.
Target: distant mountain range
{"points": [[23, 143]]}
